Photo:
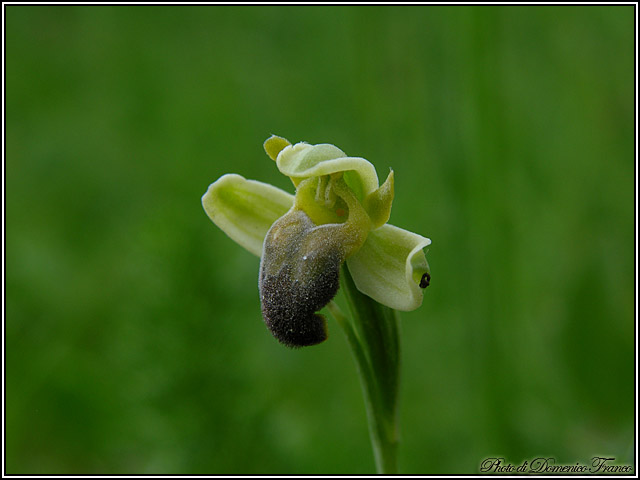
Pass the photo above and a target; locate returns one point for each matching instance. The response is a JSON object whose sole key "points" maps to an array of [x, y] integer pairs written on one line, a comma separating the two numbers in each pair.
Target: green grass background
{"points": [[134, 341]]}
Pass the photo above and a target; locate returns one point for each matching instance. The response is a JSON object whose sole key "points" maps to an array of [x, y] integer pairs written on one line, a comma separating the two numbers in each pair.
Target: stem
{"points": [[372, 333]]}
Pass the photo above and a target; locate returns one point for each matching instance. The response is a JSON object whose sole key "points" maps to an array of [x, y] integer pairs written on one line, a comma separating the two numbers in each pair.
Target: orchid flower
{"points": [[338, 216], [339, 213]]}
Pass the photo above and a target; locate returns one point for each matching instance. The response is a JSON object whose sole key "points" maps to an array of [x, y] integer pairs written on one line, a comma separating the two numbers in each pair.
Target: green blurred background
{"points": [[134, 341]]}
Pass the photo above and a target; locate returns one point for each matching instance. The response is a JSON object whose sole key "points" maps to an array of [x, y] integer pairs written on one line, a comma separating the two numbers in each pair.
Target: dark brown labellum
{"points": [[299, 275], [424, 281]]}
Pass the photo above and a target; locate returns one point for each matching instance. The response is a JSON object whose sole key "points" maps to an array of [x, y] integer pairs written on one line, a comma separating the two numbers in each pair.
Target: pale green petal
{"points": [[390, 266], [302, 161], [378, 203], [245, 209], [274, 145]]}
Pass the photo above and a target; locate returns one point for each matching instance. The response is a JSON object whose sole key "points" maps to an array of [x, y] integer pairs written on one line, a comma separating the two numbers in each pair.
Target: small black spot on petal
{"points": [[424, 281]]}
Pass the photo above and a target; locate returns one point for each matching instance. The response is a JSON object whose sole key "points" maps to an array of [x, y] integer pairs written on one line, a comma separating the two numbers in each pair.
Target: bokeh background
{"points": [[134, 341]]}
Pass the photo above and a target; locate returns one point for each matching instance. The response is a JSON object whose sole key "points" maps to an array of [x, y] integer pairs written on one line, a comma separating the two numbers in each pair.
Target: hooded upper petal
{"points": [[302, 161]]}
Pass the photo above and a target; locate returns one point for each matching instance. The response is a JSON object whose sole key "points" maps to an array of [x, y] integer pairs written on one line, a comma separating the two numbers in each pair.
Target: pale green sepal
{"points": [[245, 209], [302, 161], [274, 145], [389, 267], [378, 203]]}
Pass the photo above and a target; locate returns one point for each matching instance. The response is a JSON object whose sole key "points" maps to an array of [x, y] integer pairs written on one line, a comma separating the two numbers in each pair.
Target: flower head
{"points": [[339, 213]]}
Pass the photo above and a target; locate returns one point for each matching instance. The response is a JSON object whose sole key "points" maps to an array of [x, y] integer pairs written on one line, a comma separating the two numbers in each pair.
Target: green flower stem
{"points": [[372, 333]]}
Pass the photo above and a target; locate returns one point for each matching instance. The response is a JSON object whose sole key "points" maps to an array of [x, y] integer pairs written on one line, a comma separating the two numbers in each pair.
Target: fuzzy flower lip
{"points": [[336, 191]]}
